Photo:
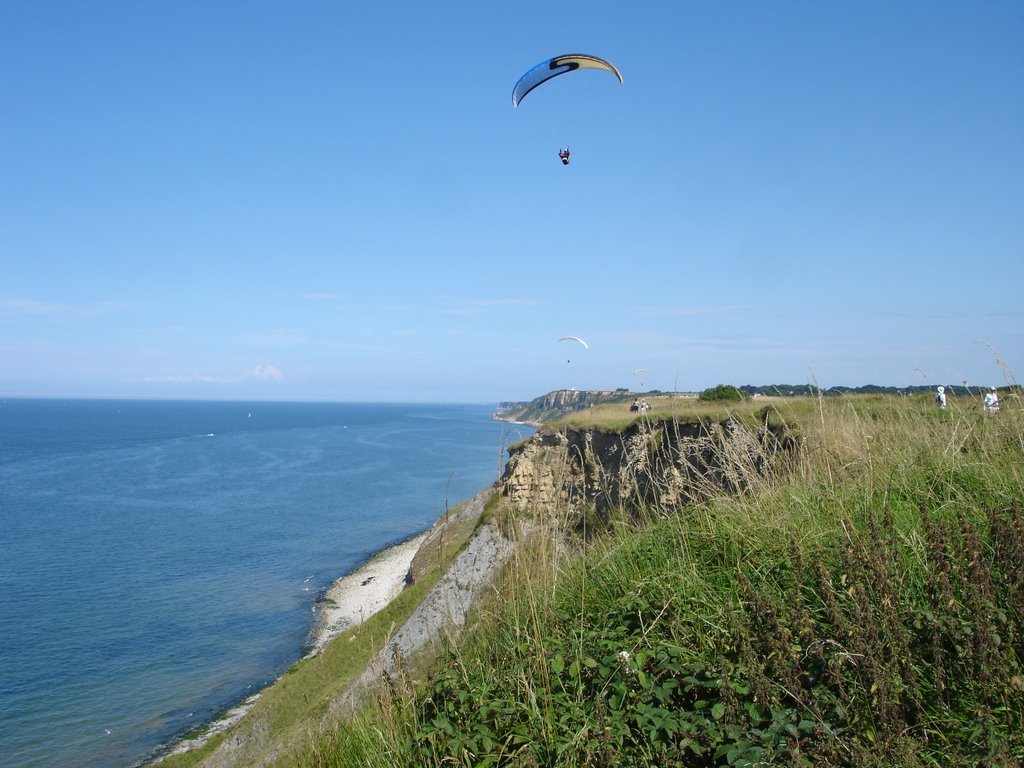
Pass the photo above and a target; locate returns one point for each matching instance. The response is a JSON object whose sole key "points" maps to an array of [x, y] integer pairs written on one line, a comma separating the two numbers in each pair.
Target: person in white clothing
{"points": [[991, 401], [940, 397]]}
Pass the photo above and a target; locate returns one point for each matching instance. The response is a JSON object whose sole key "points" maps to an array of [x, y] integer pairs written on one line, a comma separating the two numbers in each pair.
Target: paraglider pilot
{"points": [[563, 155]]}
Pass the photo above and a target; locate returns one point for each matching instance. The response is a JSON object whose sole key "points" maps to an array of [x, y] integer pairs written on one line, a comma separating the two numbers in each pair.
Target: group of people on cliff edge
{"points": [[990, 402]]}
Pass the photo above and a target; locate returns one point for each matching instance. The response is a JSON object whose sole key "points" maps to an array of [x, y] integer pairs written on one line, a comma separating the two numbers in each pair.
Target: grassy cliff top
{"points": [[610, 410]]}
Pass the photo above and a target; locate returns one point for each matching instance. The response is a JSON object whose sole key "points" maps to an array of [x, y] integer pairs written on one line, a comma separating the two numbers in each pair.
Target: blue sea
{"points": [[160, 561]]}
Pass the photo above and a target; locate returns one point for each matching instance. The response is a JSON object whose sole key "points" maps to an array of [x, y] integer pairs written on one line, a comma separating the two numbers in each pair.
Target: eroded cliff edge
{"points": [[651, 464]]}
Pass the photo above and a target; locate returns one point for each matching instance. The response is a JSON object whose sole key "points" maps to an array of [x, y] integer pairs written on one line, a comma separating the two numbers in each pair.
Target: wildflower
{"points": [[624, 658]]}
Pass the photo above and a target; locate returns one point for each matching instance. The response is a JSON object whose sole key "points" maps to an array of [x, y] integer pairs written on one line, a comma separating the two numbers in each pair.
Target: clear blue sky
{"points": [[337, 200]]}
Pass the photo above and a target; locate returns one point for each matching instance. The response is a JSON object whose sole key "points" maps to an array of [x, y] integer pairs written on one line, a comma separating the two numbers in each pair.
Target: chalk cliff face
{"points": [[652, 464]]}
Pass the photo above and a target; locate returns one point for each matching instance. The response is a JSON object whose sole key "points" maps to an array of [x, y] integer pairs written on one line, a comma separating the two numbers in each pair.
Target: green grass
{"points": [[614, 417], [867, 609]]}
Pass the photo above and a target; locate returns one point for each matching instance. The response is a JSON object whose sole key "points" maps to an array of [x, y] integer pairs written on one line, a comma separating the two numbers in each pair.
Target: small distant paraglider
{"points": [[578, 340]]}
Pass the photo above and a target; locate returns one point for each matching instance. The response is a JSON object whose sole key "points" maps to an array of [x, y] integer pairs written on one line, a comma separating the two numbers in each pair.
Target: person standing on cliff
{"points": [[991, 401]]}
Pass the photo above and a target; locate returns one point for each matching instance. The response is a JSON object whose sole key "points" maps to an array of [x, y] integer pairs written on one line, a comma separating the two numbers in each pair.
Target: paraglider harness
{"points": [[563, 155]]}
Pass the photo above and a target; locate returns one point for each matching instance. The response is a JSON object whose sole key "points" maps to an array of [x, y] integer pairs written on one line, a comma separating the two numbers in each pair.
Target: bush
{"points": [[723, 393]]}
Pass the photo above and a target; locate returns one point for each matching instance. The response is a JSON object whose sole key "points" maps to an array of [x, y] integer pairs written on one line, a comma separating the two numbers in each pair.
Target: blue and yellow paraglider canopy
{"points": [[559, 65]]}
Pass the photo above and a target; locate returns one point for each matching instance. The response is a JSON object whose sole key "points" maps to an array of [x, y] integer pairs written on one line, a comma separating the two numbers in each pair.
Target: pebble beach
{"points": [[356, 597]]}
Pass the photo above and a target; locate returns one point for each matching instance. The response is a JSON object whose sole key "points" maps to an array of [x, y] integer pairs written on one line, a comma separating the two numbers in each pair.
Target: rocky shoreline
{"points": [[354, 598], [364, 592], [349, 601]]}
